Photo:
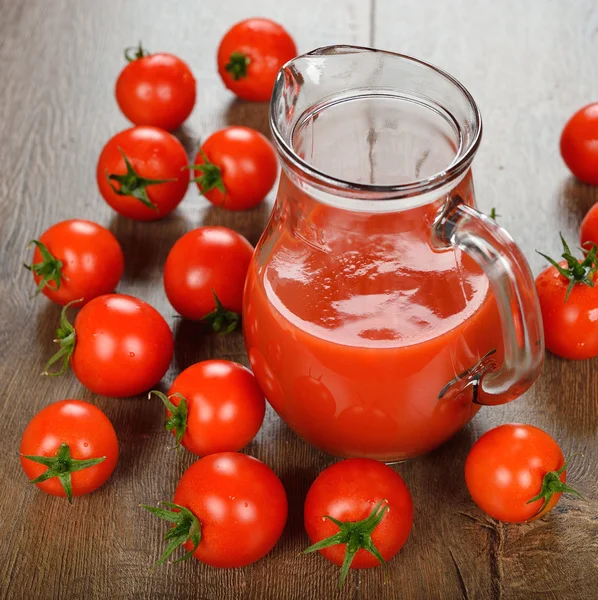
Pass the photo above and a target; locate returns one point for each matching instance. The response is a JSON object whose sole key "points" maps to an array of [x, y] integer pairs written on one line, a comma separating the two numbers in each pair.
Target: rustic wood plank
{"points": [[530, 66], [58, 64]]}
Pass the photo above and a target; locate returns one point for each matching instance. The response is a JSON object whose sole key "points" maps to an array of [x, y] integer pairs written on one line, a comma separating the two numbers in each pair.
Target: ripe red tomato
{"points": [[589, 228], [76, 260], [214, 406], [579, 144], [69, 448], [141, 173], [119, 346], [569, 305], [361, 500], [234, 503], [205, 263], [237, 168], [516, 473], [250, 55], [155, 89]]}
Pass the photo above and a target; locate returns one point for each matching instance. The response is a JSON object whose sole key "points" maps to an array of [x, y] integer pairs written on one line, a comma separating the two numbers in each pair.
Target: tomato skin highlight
{"points": [[579, 144], [505, 469], [248, 165], [589, 228], [225, 406], [268, 47], [153, 154], [123, 346], [89, 434], [205, 261], [241, 504], [92, 260], [348, 491], [157, 90], [571, 327]]}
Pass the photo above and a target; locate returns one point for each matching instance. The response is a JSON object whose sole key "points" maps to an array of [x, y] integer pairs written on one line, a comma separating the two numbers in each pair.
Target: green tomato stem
{"points": [[221, 320], [62, 466], [552, 484], [49, 269], [138, 52], [187, 527], [211, 175], [132, 184], [356, 535], [577, 272], [237, 65], [177, 421], [66, 338]]}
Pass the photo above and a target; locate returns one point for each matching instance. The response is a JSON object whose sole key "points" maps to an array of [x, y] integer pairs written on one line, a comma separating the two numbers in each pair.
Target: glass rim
{"points": [[460, 163]]}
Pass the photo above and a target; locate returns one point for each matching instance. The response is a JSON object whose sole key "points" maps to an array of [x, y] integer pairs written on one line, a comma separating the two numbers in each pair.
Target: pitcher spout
{"points": [[372, 124]]}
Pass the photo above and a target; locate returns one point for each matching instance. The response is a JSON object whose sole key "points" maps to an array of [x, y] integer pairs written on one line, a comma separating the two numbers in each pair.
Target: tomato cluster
{"points": [[230, 509], [120, 346], [566, 289]]}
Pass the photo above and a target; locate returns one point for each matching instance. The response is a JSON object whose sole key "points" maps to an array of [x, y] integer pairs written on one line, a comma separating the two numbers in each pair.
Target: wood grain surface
{"points": [[530, 65]]}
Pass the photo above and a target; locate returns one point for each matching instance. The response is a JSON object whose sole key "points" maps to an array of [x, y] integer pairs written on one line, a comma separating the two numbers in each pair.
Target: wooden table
{"points": [[529, 64]]}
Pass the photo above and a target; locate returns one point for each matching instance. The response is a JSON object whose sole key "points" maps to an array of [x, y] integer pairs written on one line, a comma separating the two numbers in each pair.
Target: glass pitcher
{"points": [[382, 309]]}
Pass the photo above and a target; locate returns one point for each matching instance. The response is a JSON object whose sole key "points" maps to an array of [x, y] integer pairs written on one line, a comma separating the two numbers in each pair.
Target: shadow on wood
{"points": [[47, 322], [189, 139], [192, 343], [577, 198], [249, 223], [249, 114], [146, 244]]}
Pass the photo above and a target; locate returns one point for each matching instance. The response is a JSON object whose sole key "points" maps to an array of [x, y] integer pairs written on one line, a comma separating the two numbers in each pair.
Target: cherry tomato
{"points": [[76, 260], [250, 55], [237, 168], [141, 173], [229, 509], [579, 144], [206, 264], [361, 500], [69, 448], [569, 304], [119, 346], [516, 473], [589, 228], [214, 406], [155, 89]]}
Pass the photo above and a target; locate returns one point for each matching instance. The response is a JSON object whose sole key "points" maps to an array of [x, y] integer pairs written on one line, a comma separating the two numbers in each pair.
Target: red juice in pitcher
{"points": [[353, 343], [381, 308]]}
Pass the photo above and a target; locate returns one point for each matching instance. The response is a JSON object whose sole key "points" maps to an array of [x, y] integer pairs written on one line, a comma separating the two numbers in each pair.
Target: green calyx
{"points": [[577, 272], [552, 484], [135, 52], [66, 338], [49, 269], [177, 421], [493, 214], [237, 65], [131, 184], [220, 319], [186, 528], [211, 175], [356, 535], [62, 466]]}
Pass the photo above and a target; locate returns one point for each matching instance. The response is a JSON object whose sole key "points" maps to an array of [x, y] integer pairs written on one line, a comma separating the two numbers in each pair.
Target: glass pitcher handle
{"points": [[464, 227]]}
